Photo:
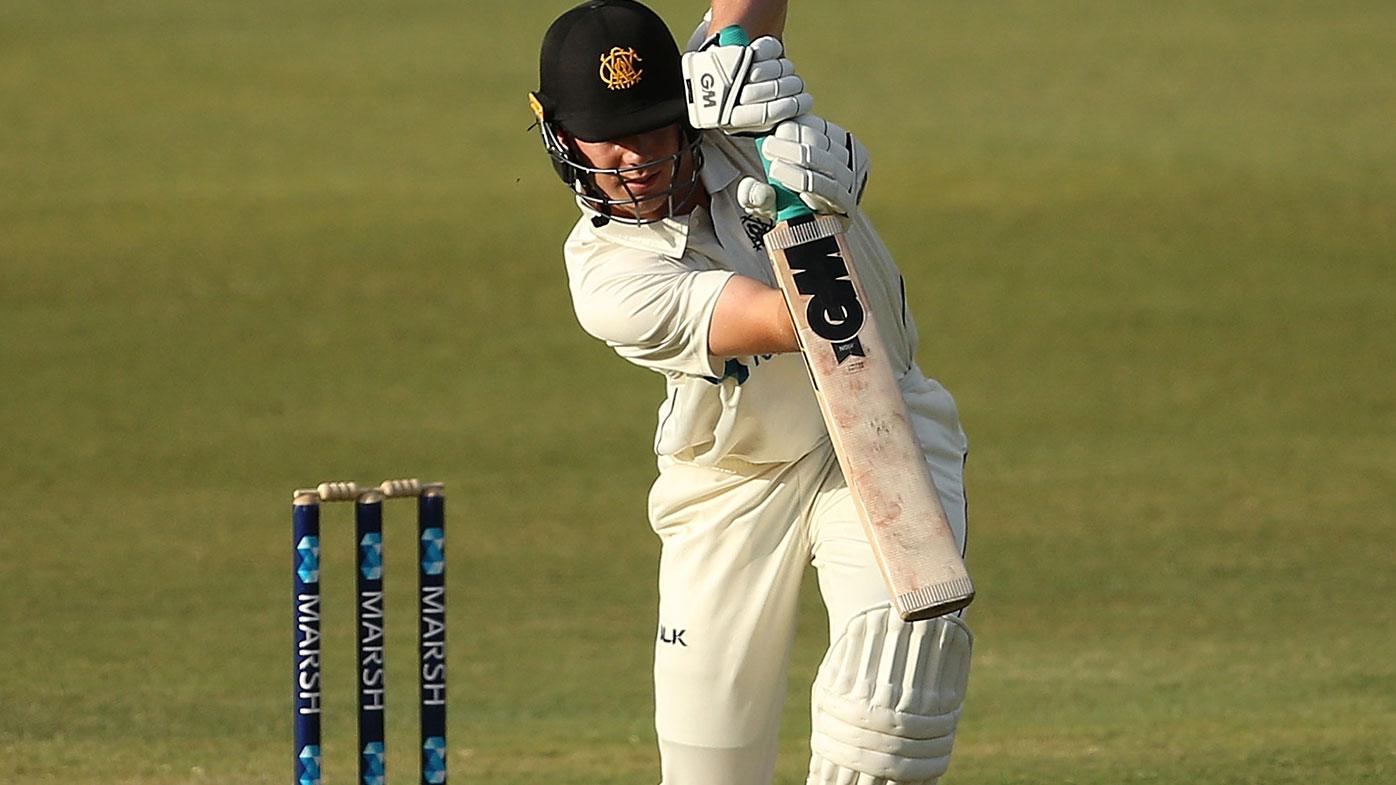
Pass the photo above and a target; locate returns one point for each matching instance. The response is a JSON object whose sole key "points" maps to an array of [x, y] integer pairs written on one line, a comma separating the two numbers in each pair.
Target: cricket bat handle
{"points": [[788, 203]]}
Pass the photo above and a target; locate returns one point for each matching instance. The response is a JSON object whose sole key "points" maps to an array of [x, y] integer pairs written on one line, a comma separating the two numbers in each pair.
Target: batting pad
{"points": [[887, 699]]}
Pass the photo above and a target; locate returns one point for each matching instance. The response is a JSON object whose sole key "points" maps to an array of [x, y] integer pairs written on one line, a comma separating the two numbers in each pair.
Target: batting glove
{"points": [[826, 165], [758, 198], [742, 89]]}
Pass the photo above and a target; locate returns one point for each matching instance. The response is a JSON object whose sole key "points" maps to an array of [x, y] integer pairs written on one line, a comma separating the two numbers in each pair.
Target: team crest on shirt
{"points": [[756, 229], [619, 69]]}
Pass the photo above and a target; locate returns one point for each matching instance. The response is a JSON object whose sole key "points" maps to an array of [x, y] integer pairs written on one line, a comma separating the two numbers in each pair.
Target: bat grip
{"points": [[788, 204]]}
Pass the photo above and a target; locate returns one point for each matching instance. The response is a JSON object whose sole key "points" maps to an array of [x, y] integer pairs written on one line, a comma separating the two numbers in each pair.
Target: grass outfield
{"points": [[246, 247]]}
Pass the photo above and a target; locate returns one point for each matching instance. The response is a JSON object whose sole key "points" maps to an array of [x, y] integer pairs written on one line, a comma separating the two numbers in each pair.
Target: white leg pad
{"points": [[887, 699]]}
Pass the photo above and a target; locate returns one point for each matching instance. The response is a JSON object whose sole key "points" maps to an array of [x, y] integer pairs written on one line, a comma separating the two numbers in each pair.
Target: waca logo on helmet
{"points": [[618, 69]]}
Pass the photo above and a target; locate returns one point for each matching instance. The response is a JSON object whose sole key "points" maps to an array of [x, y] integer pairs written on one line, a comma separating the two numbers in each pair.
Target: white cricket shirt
{"points": [[649, 291]]}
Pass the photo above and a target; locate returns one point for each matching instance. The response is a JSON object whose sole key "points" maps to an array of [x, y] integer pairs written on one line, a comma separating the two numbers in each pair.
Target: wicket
{"points": [[431, 625]]}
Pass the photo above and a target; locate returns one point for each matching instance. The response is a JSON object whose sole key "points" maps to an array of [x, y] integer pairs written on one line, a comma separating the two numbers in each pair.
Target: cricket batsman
{"points": [[666, 265]]}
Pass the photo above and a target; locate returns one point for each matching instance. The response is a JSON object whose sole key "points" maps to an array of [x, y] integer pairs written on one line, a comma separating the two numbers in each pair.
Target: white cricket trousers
{"points": [[735, 542]]}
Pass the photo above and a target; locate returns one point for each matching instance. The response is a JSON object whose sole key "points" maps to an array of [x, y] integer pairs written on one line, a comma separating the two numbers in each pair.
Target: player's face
{"points": [[647, 172]]}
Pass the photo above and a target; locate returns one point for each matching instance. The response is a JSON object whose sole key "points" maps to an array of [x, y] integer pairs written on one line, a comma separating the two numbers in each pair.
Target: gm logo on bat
{"points": [[833, 311]]}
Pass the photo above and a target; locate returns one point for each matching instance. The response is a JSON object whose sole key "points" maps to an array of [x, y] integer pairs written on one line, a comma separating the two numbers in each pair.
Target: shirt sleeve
{"points": [[653, 310]]}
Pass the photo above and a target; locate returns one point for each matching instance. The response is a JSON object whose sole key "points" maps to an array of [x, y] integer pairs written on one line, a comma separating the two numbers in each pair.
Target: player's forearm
{"points": [[756, 17], [750, 318]]}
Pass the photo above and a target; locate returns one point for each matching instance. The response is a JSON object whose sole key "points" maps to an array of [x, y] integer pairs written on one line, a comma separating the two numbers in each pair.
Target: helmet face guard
{"points": [[581, 176]]}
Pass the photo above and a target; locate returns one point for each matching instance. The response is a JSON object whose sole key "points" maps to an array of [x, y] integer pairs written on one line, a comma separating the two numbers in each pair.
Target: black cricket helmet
{"points": [[608, 70]]}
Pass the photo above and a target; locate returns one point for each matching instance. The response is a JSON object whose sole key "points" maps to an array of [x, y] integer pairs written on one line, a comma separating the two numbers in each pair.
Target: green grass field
{"points": [[250, 246]]}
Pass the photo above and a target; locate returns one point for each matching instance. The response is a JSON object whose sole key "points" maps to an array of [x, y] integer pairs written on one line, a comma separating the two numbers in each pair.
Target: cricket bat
{"points": [[863, 408]]}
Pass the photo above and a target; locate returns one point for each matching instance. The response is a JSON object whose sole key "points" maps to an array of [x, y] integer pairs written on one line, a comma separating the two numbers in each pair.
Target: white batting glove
{"points": [[826, 165], [758, 198], [742, 89]]}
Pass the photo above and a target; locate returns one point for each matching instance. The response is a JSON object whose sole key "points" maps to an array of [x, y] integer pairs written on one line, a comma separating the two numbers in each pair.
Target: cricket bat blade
{"points": [[867, 418]]}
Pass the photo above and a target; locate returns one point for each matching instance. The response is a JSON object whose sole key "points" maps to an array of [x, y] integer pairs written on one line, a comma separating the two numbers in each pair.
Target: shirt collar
{"points": [[718, 170], [668, 236]]}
